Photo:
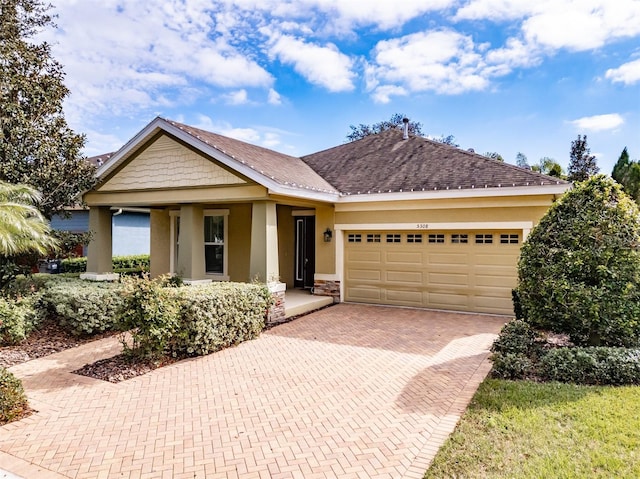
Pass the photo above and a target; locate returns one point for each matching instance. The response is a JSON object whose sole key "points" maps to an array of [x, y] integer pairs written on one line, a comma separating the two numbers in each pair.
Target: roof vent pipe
{"points": [[405, 136]]}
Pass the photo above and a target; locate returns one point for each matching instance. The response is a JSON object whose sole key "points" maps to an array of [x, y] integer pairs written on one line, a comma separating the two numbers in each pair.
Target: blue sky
{"points": [[500, 75]]}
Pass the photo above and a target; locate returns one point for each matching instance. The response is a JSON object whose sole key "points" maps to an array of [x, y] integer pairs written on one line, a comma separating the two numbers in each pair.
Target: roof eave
{"points": [[550, 189], [235, 164]]}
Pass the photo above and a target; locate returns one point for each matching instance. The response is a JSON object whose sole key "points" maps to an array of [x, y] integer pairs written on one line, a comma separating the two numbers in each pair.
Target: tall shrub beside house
{"points": [[579, 270]]}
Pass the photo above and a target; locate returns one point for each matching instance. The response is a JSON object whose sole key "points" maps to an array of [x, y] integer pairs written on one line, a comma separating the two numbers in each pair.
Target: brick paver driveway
{"points": [[351, 391]]}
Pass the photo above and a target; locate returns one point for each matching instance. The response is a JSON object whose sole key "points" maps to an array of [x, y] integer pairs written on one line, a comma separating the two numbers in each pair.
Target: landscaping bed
{"points": [[49, 338], [120, 368]]}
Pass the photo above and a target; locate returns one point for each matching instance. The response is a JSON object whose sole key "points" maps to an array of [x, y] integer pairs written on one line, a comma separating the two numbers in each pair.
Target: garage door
{"points": [[451, 270]]}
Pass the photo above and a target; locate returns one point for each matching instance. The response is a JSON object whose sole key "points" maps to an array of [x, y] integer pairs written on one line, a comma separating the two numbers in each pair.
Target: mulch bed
{"points": [[119, 368], [48, 339], [52, 338]]}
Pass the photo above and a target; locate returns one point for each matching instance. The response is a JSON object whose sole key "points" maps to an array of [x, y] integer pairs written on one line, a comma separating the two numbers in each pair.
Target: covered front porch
{"points": [[301, 301], [220, 210], [281, 245]]}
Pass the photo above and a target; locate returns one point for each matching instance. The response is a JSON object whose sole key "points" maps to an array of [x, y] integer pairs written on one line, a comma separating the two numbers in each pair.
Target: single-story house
{"points": [[389, 219]]}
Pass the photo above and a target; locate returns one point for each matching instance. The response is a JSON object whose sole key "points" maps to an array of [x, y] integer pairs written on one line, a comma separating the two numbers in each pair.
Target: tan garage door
{"points": [[452, 270]]}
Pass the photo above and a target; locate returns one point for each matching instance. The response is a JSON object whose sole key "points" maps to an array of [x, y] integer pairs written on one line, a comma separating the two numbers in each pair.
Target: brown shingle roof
{"points": [[386, 162], [284, 169], [99, 160]]}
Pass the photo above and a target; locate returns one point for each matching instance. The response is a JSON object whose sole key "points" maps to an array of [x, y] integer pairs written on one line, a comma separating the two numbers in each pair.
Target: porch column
{"points": [[99, 251], [263, 263], [191, 264], [264, 243], [160, 242]]}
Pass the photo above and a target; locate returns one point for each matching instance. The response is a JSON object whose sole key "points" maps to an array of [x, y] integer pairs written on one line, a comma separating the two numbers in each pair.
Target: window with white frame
{"points": [[214, 248], [215, 238]]}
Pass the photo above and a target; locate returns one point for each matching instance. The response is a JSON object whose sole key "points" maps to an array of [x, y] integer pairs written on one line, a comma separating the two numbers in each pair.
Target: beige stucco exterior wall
{"points": [[160, 242], [463, 211], [325, 252], [286, 244], [100, 247], [239, 241]]}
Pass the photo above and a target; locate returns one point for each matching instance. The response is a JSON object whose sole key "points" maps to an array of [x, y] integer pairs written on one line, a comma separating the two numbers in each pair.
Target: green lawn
{"points": [[521, 429]]}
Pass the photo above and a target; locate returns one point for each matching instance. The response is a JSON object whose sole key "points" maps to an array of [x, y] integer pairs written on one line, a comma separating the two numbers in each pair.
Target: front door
{"points": [[305, 263]]}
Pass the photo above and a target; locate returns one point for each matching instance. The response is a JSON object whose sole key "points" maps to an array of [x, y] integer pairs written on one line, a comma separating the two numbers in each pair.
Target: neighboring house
{"points": [[389, 219], [130, 226], [130, 229]]}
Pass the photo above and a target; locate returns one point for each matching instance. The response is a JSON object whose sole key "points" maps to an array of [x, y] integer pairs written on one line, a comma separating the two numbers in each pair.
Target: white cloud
{"points": [[609, 121], [129, 56], [102, 143], [238, 97], [627, 73], [339, 16], [383, 93], [274, 97], [553, 24], [324, 66], [442, 61], [267, 137], [496, 10]]}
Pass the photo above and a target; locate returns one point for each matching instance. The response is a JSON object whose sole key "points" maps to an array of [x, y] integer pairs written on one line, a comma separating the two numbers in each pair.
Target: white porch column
{"points": [[191, 266], [99, 251], [263, 264]]}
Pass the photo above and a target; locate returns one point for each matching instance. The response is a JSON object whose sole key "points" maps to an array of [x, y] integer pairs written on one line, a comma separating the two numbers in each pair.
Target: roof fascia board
{"points": [[554, 189]]}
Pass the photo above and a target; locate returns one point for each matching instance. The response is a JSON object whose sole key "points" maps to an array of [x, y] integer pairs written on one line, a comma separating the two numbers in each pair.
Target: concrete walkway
{"points": [[351, 391]]}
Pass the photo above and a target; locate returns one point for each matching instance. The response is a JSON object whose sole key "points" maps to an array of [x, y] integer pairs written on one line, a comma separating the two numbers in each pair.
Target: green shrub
{"points": [[151, 311], [514, 351], [74, 265], [13, 402], [218, 315], [18, 318], [516, 337], [511, 366], [579, 270], [83, 307], [592, 365], [139, 262], [126, 264]]}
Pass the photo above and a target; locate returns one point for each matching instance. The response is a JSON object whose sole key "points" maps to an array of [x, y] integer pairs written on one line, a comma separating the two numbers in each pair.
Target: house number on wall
{"points": [[422, 226]]}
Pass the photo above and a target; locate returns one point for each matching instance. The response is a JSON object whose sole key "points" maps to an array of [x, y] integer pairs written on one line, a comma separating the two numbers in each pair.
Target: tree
{"points": [[23, 229], [549, 166], [394, 123], [627, 173], [495, 155], [582, 164], [522, 161], [579, 270], [37, 147], [447, 140]]}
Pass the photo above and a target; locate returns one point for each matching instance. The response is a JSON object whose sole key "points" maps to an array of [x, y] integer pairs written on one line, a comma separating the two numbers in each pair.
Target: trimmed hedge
{"points": [[219, 315], [121, 264], [13, 402], [18, 318], [83, 307], [515, 351], [519, 354], [595, 365], [191, 320]]}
